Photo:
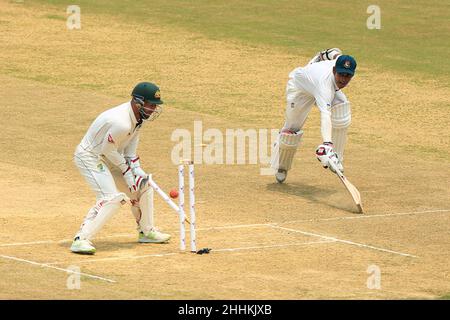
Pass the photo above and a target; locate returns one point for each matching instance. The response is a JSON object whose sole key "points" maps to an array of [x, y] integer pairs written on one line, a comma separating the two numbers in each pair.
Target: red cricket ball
{"points": [[173, 193]]}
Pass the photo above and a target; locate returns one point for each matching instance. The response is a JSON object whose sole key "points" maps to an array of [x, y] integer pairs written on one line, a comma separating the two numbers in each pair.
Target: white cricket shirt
{"points": [[114, 134], [316, 80]]}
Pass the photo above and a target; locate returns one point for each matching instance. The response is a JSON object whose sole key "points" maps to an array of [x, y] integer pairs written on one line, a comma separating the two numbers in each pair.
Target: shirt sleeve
{"points": [[325, 117], [109, 146], [130, 150], [325, 126], [315, 59]]}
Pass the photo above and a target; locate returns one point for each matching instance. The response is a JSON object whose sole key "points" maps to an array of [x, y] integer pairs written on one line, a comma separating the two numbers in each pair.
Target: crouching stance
{"points": [[320, 82], [106, 158]]}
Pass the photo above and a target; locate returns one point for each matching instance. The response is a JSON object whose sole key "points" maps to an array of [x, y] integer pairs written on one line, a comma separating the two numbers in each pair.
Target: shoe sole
{"points": [[279, 180], [83, 252], [153, 241]]}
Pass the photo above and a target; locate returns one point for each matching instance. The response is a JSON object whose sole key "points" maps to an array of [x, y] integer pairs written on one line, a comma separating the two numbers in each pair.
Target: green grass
{"points": [[55, 17], [413, 38]]}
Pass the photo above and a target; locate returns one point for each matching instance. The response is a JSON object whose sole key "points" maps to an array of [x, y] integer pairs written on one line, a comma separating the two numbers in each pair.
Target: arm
{"points": [[315, 59], [325, 117], [328, 54], [133, 159], [325, 152], [325, 126], [109, 150], [109, 147], [130, 150]]}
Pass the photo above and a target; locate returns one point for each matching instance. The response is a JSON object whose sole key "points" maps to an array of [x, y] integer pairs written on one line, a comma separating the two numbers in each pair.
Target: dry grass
{"points": [[230, 80], [56, 81]]}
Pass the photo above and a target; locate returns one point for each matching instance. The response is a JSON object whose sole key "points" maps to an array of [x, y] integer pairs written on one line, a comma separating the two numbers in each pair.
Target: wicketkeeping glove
{"points": [[136, 168], [132, 182]]}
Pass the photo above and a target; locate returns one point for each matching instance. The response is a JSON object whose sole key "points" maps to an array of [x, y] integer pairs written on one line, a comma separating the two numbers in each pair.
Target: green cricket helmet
{"points": [[147, 92]]}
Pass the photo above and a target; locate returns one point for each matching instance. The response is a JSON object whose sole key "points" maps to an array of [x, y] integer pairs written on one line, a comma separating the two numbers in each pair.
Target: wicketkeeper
{"points": [[319, 82], [107, 159]]}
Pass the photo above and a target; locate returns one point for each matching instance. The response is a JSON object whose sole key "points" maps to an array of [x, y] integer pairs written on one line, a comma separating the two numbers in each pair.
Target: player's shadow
{"points": [[311, 193], [110, 245]]}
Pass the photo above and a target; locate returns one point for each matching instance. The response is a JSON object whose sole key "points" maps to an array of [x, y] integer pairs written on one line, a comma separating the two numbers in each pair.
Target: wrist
{"points": [[127, 171], [133, 162]]}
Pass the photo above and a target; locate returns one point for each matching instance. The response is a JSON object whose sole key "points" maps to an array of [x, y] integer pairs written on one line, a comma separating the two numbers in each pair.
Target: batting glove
{"points": [[325, 153]]}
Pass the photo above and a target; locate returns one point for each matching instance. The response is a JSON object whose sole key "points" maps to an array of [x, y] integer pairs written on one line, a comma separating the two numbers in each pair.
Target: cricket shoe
{"points": [[281, 175], [82, 246], [153, 236]]}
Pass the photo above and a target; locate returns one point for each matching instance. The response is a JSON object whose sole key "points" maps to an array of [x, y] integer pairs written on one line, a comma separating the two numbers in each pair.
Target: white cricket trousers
{"points": [[108, 184]]}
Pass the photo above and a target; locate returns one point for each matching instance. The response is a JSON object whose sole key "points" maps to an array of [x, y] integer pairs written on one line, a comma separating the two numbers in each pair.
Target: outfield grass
{"points": [[413, 37], [446, 297]]}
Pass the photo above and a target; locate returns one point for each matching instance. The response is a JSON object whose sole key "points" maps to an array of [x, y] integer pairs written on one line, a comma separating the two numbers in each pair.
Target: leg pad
{"points": [[285, 149]]}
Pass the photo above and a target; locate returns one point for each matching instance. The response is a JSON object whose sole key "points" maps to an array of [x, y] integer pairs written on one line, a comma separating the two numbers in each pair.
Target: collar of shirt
{"points": [[336, 88], [133, 117]]}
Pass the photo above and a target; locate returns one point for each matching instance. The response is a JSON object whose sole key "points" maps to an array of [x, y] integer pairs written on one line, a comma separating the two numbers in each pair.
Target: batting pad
{"points": [[146, 208], [99, 215], [285, 149], [340, 120]]}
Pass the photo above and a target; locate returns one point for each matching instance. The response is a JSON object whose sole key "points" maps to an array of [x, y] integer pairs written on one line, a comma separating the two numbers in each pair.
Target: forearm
{"points": [[131, 150], [315, 59], [325, 126], [328, 54], [109, 151]]}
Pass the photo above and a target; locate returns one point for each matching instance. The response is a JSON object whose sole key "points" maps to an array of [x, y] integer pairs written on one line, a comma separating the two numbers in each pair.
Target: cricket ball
{"points": [[173, 193]]}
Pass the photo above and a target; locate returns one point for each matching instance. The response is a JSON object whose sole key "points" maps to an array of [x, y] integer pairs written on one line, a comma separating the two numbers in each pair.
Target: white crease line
{"points": [[236, 226], [176, 253], [119, 235], [360, 216], [365, 216], [26, 243], [117, 258], [345, 241], [56, 268], [128, 235]]}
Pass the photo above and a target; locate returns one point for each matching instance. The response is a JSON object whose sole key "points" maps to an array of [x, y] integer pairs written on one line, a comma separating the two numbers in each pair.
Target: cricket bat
{"points": [[356, 196]]}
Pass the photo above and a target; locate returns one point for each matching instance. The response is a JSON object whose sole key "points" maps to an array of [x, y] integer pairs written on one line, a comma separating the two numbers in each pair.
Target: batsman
{"points": [[319, 82], [107, 159]]}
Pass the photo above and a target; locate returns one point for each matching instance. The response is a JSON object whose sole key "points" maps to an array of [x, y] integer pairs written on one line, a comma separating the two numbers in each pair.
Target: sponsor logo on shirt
{"points": [[110, 139]]}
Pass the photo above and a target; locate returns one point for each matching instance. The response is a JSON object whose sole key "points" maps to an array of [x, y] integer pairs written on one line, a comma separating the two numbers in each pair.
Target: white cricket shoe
{"points": [[281, 175], [153, 236], [82, 246]]}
